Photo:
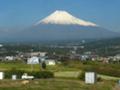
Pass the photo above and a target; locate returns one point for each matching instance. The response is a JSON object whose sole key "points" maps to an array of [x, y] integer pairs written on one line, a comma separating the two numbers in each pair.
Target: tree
{"points": [[43, 65]]}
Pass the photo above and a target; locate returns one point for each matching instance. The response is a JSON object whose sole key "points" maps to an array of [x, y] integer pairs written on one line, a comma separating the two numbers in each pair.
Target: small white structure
{"points": [[33, 60], [1, 45], [50, 62], [90, 77], [25, 76], [42, 59], [41, 54], [10, 58], [1, 75], [84, 57], [14, 77]]}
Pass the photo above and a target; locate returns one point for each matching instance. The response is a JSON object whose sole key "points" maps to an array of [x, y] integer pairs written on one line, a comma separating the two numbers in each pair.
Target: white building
{"points": [[10, 58], [33, 60], [1, 45], [84, 57], [41, 54], [14, 77], [42, 59], [90, 77], [50, 62], [1, 75], [117, 57]]}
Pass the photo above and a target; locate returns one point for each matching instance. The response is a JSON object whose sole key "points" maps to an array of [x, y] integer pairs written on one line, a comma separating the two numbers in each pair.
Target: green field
{"points": [[55, 84], [37, 67], [18, 66], [65, 78]]}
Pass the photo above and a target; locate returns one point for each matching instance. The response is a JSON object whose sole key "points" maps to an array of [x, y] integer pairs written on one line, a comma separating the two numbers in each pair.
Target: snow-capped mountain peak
{"points": [[63, 17]]}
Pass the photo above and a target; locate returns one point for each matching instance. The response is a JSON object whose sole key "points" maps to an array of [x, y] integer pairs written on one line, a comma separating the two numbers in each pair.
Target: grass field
{"points": [[37, 67], [66, 78], [67, 74], [55, 84], [59, 70], [19, 66], [75, 74]]}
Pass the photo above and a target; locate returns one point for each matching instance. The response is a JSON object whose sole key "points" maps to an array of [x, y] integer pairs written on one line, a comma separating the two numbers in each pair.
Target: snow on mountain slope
{"points": [[64, 18]]}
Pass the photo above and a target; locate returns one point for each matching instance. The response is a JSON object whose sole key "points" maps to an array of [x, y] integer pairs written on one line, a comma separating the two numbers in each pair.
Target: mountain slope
{"points": [[66, 32], [60, 25]]}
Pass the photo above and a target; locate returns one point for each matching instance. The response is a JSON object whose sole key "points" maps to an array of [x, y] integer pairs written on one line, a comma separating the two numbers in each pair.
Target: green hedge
{"points": [[36, 74], [19, 73], [42, 74], [82, 76]]}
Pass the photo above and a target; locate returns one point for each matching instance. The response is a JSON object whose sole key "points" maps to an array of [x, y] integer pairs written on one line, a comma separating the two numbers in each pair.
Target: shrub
{"points": [[36, 74], [42, 74], [8, 74], [99, 79], [82, 75], [43, 65]]}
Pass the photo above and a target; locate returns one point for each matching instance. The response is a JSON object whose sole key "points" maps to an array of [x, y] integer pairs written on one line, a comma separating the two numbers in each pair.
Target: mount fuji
{"points": [[64, 18], [61, 25]]}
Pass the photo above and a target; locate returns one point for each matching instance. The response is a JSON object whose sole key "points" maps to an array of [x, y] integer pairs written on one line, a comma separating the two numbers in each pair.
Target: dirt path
{"points": [[117, 87]]}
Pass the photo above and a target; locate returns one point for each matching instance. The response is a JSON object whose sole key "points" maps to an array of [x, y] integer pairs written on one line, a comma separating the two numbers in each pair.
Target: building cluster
{"points": [[50, 59], [31, 58], [89, 56]]}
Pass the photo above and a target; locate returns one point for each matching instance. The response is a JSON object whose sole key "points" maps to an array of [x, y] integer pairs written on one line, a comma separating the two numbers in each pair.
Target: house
{"points": [[42, 59], [1, 45], [10, 58], [41, 54], [117, 57], [50, 62], [84, 57], [33, 60]]}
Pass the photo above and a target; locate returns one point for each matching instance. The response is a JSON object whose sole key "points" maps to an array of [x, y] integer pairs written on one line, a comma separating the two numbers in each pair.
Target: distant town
{"points": [[52, 53]]}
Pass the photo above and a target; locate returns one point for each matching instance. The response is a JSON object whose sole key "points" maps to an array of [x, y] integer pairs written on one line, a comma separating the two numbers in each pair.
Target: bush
{"points": [[99, 79], [42, 74], [43, 65], [36, 74], [8, 74], [82, 75]]}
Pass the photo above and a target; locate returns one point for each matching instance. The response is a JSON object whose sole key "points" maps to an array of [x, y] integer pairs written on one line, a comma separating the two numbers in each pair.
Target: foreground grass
{"points": [[71, 71], [34, 67], [55, 84], [68, 81], [67, 74], [19, 66], [75, 75], [106, 77]]}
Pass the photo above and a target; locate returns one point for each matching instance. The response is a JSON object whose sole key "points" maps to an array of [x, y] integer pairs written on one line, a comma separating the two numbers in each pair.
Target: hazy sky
{"points": [[17, 14]]}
